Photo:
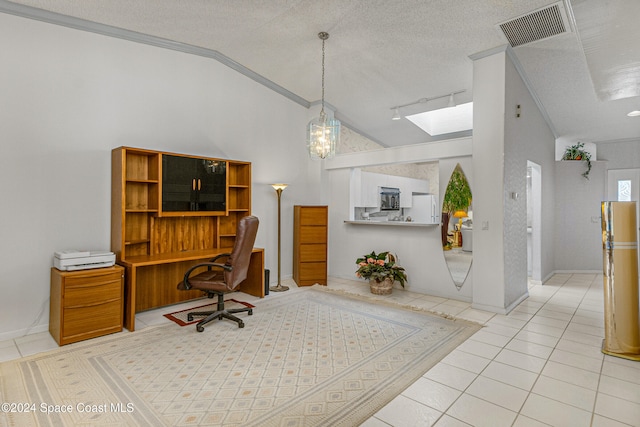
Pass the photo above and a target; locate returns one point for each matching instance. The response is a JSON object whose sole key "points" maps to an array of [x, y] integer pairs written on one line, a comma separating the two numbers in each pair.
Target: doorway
{"points": [[534, 221]]}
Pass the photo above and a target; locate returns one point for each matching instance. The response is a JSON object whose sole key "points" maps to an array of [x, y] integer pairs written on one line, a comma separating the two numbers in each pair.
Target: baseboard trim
{"points": [[576, 272], [4, 336], [501, 310]]}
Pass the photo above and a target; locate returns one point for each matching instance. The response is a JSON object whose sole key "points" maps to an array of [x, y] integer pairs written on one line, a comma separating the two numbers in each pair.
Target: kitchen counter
{"points": [[392, 223]]}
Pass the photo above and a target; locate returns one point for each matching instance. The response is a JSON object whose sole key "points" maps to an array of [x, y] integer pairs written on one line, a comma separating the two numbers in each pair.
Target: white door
{"points": [[623, 185]]}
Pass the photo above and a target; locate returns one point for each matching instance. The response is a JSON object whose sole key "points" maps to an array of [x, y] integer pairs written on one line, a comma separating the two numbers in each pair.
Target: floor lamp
{"points": [[279, 287]]}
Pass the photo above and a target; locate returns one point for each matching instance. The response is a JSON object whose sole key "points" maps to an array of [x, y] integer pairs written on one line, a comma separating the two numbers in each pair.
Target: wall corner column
{"points": [[489, 76]]}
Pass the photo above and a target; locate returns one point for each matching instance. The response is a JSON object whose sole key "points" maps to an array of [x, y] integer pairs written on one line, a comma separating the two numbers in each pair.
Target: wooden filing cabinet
{"points": [[310, 231], [86, 304]]}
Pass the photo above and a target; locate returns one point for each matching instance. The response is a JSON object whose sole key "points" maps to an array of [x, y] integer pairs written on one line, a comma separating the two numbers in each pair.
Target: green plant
{"points": [[577, 152], [458, 193], [380, 267], [457, 197]]}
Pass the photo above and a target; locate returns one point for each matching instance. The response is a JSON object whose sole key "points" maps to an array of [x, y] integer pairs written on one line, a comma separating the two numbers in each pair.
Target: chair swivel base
{"points": [[219, 313], [212, 315]]}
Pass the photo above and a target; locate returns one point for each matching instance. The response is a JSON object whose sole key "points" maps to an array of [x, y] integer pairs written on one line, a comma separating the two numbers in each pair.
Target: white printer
{"points": [[82, 260]]}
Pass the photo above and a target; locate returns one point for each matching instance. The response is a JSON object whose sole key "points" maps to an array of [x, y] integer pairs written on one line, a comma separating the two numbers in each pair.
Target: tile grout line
{"points": [[554, 348], [529, 392]]}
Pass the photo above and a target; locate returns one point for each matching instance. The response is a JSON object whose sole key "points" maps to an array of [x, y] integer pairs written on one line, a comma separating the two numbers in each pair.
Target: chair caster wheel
{"points": [[241, 325], [250, 312], [189, 317], [199, 328]]}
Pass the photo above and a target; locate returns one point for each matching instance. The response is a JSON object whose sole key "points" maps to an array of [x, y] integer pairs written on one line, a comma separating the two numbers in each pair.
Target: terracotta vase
{"points": [[381, 288]]}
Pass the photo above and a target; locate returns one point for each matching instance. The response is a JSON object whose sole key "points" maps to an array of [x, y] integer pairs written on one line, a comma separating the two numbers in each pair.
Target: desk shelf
{"points": [[157, 247]]}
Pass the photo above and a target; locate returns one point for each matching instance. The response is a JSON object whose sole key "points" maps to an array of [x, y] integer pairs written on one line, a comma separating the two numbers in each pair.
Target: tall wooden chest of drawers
{"points": [[310, 229], [86, 303]]}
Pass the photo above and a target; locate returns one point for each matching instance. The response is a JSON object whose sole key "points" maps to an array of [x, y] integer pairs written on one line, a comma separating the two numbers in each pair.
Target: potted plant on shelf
{"points": [[382, 271], [577, 152]]}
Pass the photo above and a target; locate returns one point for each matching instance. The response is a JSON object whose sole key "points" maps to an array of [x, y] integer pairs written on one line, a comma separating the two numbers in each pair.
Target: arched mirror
{"points": [[457, 226]]}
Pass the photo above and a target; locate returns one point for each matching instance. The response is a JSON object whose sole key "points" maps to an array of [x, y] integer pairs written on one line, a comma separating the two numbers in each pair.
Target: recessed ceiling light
{"points": [[634, 113], [445, 120]]}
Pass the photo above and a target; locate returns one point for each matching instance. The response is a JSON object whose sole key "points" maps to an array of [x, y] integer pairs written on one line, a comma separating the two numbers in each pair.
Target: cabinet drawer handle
{"points": [[193, 184], [107, 281], [103, 302], [199, 184]]}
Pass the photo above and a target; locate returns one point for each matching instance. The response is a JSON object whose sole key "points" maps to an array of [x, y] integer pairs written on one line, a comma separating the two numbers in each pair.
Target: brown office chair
{"points": [[219, 279]]}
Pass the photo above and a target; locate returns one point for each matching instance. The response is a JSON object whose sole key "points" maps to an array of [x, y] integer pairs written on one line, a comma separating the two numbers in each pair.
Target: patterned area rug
{"points": [[310, 358], [180, 317]]}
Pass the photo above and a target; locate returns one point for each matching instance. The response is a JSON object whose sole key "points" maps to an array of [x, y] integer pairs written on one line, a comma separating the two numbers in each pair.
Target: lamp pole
{"points": [[279, 287]]}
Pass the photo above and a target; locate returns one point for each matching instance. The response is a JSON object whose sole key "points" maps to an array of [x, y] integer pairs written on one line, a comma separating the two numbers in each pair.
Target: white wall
{"points": [[502, 144], [578, 240], [488, 194], [620, 154], [579, 201], [527, 138], [419, 248], [69, 97]]}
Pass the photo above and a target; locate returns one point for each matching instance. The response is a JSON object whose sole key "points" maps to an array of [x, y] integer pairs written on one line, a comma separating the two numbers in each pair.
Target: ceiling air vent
{"points": [[540, 24]]}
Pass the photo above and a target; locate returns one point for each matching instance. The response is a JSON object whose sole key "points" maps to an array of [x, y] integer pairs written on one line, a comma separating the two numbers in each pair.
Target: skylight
{"points": [[445, 120]]}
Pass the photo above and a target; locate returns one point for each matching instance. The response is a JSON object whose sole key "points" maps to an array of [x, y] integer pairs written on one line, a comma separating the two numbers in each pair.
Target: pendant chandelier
{"points": [[323, 133]]}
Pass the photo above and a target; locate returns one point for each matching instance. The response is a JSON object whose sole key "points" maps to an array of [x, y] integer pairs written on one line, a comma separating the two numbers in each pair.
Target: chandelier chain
{"points": [[323, 40]]}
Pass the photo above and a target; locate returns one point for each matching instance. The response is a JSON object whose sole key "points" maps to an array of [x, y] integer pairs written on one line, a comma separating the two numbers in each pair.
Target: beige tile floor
{"points": [[540, 365]]}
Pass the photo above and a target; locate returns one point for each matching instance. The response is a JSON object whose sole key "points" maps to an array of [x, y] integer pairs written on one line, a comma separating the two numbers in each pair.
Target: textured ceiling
{"points": [[386, 53]]}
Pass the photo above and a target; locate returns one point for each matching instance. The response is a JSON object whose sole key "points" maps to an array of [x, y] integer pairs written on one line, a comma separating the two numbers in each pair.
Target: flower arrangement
{"points": [[379, 267]]}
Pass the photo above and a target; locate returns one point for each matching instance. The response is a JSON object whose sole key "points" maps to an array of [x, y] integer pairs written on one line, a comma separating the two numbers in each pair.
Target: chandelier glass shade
{"points": [[323, 133]]}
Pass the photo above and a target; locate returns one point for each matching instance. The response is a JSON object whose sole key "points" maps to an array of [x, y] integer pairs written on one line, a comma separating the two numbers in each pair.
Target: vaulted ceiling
{"points": [[386, 53]]}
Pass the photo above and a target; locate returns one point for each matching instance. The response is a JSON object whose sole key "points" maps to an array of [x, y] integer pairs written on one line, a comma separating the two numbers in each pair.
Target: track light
{"points": [[452, 103]]}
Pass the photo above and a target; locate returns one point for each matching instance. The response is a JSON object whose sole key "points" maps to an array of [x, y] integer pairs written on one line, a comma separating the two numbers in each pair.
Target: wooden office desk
{"points": [[151, 280]]}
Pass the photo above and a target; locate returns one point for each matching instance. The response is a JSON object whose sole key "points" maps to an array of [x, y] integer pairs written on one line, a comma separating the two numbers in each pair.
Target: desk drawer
{"points": [[85, 304], [309, 253], [313, 271], [86, 320], [313, 234], [99, 292], [90, 278], [313, 215]]}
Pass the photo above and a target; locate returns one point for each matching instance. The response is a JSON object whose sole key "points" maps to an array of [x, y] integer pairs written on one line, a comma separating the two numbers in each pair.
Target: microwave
{"points": [[389, 199]]}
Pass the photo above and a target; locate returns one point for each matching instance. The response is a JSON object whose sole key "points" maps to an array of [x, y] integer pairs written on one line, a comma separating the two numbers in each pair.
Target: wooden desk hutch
{"points": [[170, 211]]}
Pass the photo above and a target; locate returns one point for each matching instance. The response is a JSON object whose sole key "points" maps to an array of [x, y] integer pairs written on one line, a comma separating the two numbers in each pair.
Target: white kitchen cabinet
{"points": [[369, 183]]}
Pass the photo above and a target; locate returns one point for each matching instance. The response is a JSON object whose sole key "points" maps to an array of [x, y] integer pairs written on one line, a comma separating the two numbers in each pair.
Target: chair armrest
{"points": [[210, 265], [219, 256]]}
